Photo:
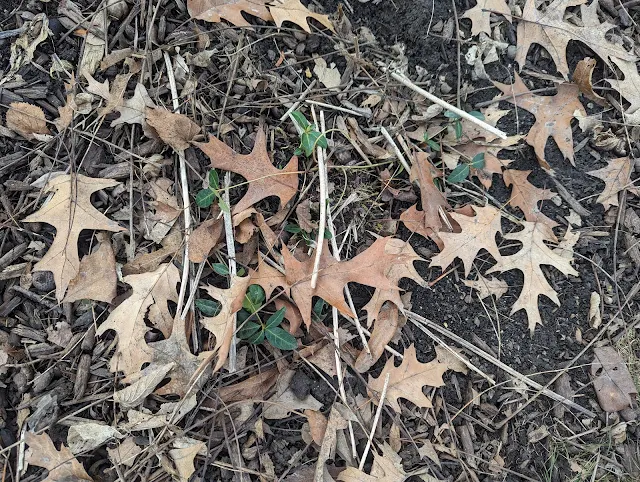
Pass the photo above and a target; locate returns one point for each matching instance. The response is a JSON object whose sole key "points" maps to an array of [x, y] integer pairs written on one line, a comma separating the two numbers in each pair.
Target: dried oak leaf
{"points": [[488, 286], [277, 10], [553, 115], [481, 13], [175, 130], [629, 87], [263, 178], [549, 29], [183, 457], [369, 268], [492, 163], [387, 467], [529, 259], [70, 211], [386, 328], [61, 464], [582, 78], [478, 232], [155, 288], [526, 196], [407, 380], [27, 120], [616, 177], [113, 95], [205, 237], [611, 379], [221, 325], [97, 278]]}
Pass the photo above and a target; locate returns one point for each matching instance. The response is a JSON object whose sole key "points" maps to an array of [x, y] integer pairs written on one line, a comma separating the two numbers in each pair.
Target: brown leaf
{"points": [[629, 87], [221, 325], [488, 286], [529, 259], [112, 95], [70, 211], [61, 464], [481, 13], [293, 11], [616, 177], [125, 453], [97, 278], [478, 232], [415, 221], [253, 388], [612, 380], [317, 425], [549, 29], [407, 380], [386, 328], [445, 355], [175, 130], [128, 319], [582, 78], [303, 215], [26, 120], [553, 115], [387, 467], [432, 199], [204, 238], [184, 457], [492, 163], [264, 179], [526, 196]]}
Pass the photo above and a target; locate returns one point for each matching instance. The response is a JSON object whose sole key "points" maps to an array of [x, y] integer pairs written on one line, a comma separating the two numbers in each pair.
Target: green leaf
{"points": [[459, 174], [253, 299], [292, 228], [244, 315], [300, 119], [458, 129], [221, 269], [223, 205], [451, 115], [281, 339], [257, 337], [205, 197], [248, 330], [241, 271], [298, 151], [214, 180], [310, 140], [327, 233], [208, 307], [319, 307], [275, 319], [433, 145], [478, 161], [477, 114]]}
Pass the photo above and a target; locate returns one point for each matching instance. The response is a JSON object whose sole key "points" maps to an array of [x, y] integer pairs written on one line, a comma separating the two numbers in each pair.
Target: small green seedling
{"points": [[310, 137], [457, 120], [309, 238], [208, 307], [433, 145], [461, 172], [206, 197], [254, 330]]}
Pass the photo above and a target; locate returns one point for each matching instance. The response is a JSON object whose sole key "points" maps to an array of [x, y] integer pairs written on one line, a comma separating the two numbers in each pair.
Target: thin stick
{"points": [[465, 115], [300, 99], [396, 149], [375, 421], [334, 107], [323, 209], [184, 187]]}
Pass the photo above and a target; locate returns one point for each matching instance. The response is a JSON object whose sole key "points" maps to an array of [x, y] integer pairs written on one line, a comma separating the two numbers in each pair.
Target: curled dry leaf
{"points": [[70, 211], [175, 130], [582, 78], [529, 259], [611, 379], [386, 328], [264, 179], [61, 464], [617, 177], [256, 387], [553, 115], [526, 196], [478, 232], [147, 381], [407, 380], [27, 120]]}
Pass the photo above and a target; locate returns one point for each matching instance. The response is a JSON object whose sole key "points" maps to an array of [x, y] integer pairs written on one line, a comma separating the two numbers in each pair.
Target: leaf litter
{"points": [[122, 284]]}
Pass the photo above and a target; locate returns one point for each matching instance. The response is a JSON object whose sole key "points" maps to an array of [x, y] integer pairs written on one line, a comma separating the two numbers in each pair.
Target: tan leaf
{"points": [[549, 29], [329, 441], [529, 260], [61, 464], [175, 130], [616, 177], [582, 78], [553, 115], [184, 457], [478, 232], [284, 401], [204, 238], [488, 286], [70, 211], [415, 221], [97, 278], [263, 177], [253, 388], [221, 325], [481, 13], [26, 120], [230, 10], [526, 196], [407, 380], [611, 379], [86, 436], [148, 379], [387, 467], [128, 318], [386, 328], [293, 11], [317, 425], [303, 215], [113, 95], [164, 210], [125, 453], [133, 110], [629, 87], [452, 358]]}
